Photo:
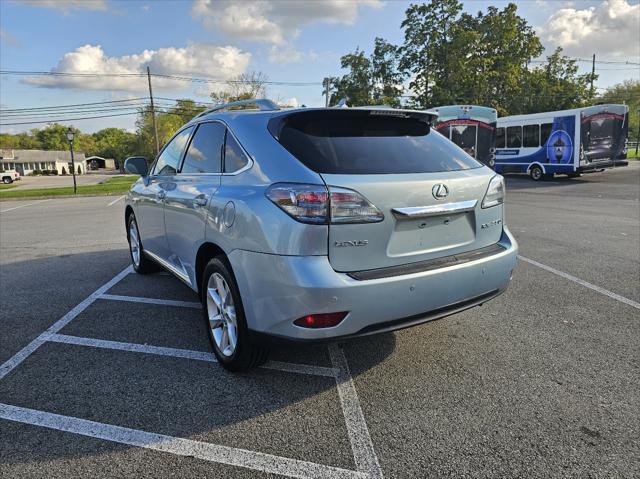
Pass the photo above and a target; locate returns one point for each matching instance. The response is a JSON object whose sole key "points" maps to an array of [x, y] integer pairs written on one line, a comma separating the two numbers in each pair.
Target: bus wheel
{"points": [[536, 173], [492, 163]]}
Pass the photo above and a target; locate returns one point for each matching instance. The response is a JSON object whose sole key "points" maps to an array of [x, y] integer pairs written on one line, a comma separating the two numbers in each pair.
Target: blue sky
{"points": [[289, 41]]}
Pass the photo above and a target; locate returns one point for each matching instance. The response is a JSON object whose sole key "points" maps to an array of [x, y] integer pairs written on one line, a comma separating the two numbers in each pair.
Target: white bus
{"points": [[563, 142], [471, 127]]}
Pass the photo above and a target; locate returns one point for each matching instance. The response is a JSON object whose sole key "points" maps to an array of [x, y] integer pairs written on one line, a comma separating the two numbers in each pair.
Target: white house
{"points": [[26, 161]]}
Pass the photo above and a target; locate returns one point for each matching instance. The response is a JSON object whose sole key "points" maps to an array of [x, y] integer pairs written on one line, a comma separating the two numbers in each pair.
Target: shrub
{"points": [[36, 172], [79, 170], [64, 171]]}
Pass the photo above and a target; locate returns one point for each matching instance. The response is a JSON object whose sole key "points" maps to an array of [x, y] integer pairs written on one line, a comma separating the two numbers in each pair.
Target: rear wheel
{"points": [[225, 320], [536, 173], [141, 264]]}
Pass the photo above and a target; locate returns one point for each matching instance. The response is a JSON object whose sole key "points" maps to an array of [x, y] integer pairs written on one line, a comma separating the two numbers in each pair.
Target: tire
{"points": [[536, 173], [141, 263], [491, 164], [221, 299], [7, 180]]}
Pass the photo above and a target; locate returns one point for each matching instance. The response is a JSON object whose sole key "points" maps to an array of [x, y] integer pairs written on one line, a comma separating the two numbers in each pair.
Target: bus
{"points": [[568, 142], [471, 127]]}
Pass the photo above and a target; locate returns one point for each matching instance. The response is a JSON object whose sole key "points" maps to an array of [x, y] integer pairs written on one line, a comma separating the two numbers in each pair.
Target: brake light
{"points": [[324, 320], [495, 192], [316, 204]]}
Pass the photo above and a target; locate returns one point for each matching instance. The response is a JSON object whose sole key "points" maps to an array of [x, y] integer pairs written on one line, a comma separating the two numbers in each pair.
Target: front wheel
{"points": [[536, 173], [225, 320], [6, 180], [141, 264]]}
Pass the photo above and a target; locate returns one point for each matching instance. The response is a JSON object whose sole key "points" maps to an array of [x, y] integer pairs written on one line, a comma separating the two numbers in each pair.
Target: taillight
{"points": [[323, 320], [495, 192], [316, 204]]}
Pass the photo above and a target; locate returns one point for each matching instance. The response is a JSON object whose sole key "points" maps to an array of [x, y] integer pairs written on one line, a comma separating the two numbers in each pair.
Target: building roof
{"points": [[23, 156]]}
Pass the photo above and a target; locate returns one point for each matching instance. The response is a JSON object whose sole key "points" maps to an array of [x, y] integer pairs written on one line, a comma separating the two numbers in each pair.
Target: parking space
{"points": [[107, 373]]}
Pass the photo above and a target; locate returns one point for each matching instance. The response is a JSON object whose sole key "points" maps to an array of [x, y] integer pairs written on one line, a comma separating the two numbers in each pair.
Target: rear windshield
{"points": [[355, 142]]}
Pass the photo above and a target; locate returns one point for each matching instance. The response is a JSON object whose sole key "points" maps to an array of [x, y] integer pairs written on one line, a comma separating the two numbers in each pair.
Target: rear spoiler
{"points": [[427, 116]]}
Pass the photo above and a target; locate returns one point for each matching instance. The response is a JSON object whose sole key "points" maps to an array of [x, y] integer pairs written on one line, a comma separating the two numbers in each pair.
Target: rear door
{"points": [[428, 189], [191, 190]]}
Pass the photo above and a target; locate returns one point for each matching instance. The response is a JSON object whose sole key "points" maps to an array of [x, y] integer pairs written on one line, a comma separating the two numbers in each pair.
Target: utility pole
{"points": [[593, 73], [326, 92], [153, 113]]}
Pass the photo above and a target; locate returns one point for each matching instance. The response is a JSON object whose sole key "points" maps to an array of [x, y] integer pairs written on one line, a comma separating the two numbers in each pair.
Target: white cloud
{"points": [[8, 39], [68, 5], [198, 59], [610, 29], [274, 21], [282, 54]]}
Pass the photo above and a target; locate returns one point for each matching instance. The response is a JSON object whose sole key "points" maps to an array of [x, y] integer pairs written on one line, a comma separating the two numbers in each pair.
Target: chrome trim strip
{"points": [[434, 210], [181, 275]]}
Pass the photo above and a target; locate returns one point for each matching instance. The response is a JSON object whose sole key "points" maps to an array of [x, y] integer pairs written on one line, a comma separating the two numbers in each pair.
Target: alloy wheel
{"points": [[221, 312], [134, 243]]}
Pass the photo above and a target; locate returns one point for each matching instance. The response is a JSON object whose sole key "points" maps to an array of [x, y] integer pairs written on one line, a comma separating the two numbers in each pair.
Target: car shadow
{"points": [[160, 394]]}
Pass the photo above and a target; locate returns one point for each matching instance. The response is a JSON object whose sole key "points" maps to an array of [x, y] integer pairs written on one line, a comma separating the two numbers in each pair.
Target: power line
{"points": [[65, 119], [157, 75], [74, 104]]}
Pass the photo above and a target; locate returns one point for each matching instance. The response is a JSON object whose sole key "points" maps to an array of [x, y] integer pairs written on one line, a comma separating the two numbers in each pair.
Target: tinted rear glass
{"points": [[356, 142]]}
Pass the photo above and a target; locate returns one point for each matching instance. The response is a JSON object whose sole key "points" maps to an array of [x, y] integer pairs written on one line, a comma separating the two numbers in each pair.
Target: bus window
{"points": [[601, 128], [531, 136], [500, 138], [465, 137], [545, 132], [445, 131], [514, 137]]}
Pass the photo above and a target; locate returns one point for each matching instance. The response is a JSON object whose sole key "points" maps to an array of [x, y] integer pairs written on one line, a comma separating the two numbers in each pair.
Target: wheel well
{"points": [[538, 164], [127, 211], [205, 253]]}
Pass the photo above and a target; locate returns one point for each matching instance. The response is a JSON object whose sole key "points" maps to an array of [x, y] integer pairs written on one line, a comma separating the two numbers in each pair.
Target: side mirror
{"points": [[137, 165]]}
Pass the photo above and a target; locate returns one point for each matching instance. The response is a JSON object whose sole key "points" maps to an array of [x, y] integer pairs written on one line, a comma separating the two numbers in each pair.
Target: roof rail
{"points": [[262, 103]]}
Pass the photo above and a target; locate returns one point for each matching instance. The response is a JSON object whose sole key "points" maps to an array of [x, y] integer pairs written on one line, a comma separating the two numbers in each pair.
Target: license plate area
{"points": [[431, 234]]}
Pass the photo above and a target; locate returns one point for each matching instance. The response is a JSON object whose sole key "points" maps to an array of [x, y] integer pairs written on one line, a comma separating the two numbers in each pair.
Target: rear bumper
{"points": [[276, 290]]}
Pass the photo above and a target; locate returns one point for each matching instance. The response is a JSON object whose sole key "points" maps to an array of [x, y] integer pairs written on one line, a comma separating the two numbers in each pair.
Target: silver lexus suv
{"points": [[318, 224]]}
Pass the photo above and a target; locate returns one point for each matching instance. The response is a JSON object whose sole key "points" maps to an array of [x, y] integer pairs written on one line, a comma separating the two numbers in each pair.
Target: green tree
{"points": [[54, 137], [357, 85], [428, 31], [555, 85], [386, 77], [115, 143]]}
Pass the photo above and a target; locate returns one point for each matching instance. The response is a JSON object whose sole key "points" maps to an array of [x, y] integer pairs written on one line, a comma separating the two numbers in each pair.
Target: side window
{"points": [[514, 137], [234, 156], [167, 163], [531, 136], [205, 150], [545, 132], [500, 138]]}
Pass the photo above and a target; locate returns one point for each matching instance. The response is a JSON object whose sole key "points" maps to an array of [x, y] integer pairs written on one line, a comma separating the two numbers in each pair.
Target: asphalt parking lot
{"points": [[105, 373]]}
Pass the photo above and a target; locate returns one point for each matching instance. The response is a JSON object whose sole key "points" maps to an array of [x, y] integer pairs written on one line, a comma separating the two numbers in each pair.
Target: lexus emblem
{"points": [[440, 191]]}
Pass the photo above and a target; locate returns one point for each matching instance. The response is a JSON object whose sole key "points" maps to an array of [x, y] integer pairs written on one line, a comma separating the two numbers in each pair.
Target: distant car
{"points": [[9, 176], [318, 224]]}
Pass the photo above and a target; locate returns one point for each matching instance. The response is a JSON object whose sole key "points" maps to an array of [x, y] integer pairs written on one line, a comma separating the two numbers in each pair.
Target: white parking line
{"points": [[115, 201], [363, 452], [24, 206], [185, 353], [257, 461], [163, 302], [25, 352], [132, 347], [582, 282]]}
